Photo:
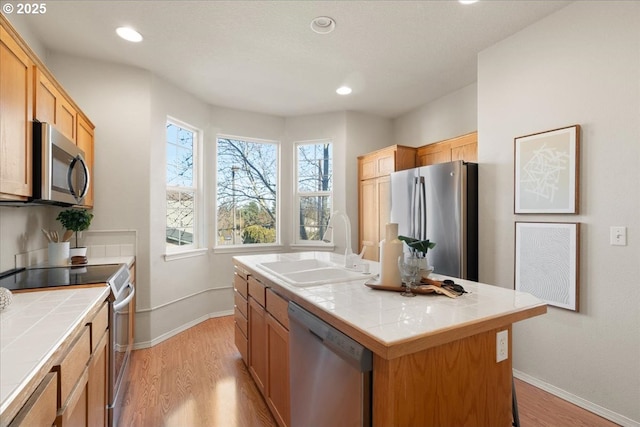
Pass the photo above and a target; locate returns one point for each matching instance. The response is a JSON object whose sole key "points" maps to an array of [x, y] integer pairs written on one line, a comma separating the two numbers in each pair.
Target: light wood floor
{"points": [[197, 379]]}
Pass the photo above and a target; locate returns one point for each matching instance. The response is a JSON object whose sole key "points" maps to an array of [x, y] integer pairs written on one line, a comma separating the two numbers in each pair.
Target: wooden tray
{"points": [[419, 289]]}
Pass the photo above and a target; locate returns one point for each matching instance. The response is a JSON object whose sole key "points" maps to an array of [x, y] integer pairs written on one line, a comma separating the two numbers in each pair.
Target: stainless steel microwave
{"points": [[60, 172]]}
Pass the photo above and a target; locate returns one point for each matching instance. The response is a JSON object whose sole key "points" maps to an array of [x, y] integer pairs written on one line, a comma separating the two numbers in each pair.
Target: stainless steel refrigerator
{"points": [[440, 203]]}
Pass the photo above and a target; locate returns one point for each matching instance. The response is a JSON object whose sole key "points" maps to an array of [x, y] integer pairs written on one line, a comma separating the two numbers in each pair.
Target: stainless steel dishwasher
{"points": [[330, 374]]}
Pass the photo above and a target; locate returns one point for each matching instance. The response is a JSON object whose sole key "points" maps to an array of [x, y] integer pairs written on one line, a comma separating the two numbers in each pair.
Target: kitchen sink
{"points": [[311, 272]]}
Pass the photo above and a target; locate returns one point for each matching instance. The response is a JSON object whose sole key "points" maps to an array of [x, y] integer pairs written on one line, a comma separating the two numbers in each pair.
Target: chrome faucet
{"points": [[349, 256]]}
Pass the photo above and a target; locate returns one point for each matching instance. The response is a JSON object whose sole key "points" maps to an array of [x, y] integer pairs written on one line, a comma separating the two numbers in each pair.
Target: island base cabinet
{"points": [[455, 384]]}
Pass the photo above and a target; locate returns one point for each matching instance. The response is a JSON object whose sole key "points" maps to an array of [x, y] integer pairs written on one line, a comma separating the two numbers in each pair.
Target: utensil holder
{"points": [[58, 253]]}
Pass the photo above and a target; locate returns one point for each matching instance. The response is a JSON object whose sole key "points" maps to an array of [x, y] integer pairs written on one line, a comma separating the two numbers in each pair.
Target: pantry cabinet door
{"points": [[16, 115]]}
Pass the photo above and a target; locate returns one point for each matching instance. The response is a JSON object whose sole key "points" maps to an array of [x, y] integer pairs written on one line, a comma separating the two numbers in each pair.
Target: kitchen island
{"points": [[434, 358]]}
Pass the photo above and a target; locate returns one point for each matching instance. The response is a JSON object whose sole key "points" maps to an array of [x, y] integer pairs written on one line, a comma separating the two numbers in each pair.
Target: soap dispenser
{"points": [[390, 249]]}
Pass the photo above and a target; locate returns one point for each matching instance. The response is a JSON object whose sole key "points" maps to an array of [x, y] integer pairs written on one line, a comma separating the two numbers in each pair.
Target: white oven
{"points": [[121, 340]]}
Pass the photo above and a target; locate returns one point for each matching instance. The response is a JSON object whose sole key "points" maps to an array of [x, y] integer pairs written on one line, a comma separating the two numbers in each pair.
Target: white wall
{"points": [[580, 65], [116, 99], [452, 115], [20, 231]]}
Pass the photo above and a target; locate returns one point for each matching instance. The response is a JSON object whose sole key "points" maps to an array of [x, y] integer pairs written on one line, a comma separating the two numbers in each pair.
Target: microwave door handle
{"points": [[74, 193], [87, 176]]}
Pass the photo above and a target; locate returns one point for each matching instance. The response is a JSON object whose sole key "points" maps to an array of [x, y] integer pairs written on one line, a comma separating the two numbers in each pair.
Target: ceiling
{"points": [[262, 55]]}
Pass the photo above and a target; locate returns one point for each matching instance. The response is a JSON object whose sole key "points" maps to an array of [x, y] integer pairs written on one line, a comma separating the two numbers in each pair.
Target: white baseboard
{"points": [[576, 400], [176, 331]]}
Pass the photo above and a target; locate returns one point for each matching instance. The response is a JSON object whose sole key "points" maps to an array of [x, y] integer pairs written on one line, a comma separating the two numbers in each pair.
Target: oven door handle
{"points": [[120, 305]]}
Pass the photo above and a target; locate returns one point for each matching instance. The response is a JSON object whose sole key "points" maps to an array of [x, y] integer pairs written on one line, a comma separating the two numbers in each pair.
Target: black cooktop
{"points": [[51, 277]]}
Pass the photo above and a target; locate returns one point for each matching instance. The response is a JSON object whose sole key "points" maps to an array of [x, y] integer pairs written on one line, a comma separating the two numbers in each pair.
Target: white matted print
{"points": [[547, 259], [546, 171]]}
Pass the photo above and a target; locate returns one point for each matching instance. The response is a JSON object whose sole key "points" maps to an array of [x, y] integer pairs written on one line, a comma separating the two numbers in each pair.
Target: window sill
{"points": [[312, 247], [172, 256], [247, 249]]}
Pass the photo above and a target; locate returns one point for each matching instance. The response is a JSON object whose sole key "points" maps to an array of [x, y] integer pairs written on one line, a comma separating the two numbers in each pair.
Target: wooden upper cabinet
{"points": [[16, 114], [51, 106], [463, 147], [85, 140], [385, 161]]}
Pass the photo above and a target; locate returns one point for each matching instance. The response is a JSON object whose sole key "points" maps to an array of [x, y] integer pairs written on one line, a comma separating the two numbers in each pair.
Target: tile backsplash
{"points": [[99, 243]]}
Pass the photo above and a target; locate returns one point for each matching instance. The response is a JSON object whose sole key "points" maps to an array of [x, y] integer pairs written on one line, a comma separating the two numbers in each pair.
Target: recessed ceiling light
{"points": [[323, 25], [129, 34], [343, 90], [468, 1]]}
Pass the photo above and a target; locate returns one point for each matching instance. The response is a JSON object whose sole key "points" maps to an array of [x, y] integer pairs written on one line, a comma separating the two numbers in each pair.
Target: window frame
{"points": [[199, 242], [249, 247], [297, 194]]}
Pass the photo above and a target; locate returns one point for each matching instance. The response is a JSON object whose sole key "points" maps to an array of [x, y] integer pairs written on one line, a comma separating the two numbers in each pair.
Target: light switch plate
{"points": [[618, 236]]}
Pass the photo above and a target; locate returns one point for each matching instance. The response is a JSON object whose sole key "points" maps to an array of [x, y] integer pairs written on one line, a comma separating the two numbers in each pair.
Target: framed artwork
{"points": [[546, 172], [547, 261]]}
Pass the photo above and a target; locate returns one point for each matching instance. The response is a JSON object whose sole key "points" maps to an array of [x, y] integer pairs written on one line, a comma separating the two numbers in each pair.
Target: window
{"points": [[314, 178], [182, 186], [247, 196]]}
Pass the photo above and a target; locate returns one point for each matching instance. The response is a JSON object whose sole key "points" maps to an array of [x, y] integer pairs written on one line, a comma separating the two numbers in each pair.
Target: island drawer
{"points": [[73, 365], [240, 284], [242, 344], [41, 408], [241, 304], [241, 322], [257, 291], [99, 324], [277, 307]]}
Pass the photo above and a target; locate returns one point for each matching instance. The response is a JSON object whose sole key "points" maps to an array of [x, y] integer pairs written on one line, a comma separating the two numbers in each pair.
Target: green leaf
{"points": [[422, 246]]}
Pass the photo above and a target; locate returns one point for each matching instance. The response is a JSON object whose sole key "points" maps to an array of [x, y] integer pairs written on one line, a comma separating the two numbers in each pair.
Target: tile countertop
{"points": [[33, 327], [392, 325]]}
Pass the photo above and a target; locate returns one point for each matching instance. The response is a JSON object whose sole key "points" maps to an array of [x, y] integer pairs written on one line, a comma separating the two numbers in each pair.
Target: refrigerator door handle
{"points": [[414, 205], [422, 211]]}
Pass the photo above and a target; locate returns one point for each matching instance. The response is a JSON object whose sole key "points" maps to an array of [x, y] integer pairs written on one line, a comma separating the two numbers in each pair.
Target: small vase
{"points": [[425, 267], [81, 251]]}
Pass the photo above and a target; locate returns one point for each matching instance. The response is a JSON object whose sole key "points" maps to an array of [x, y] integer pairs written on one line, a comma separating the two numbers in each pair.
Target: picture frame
{"points": [[546, 172], [547, 256]]}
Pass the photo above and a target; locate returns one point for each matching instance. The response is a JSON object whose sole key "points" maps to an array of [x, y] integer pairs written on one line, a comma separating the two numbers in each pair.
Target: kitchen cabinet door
{"points": [[369, 225], [434, 153], [277, 391], [375, 213], [97, 384], [85, 141], [51, 106], [258, 344], [464, 147], [16, 115]]}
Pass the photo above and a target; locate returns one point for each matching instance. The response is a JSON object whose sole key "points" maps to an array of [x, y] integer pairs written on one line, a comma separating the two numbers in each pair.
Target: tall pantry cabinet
{"points": [[374, 193]]}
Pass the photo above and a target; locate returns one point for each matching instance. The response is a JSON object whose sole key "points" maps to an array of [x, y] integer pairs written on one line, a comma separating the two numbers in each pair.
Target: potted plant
{"points": [[75, 220], [420, 249]]}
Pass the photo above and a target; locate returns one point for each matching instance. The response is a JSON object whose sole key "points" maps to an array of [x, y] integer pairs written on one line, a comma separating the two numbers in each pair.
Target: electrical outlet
{"points": [[502, 346]]}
